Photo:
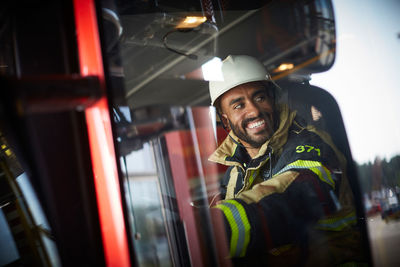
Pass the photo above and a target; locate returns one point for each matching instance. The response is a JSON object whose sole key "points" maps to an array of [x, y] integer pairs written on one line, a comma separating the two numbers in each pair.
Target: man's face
{"points": [[248, 111]]}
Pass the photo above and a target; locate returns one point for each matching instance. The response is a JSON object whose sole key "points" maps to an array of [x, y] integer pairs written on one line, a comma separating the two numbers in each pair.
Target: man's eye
{"points": [[238, 106], [260, 98]]}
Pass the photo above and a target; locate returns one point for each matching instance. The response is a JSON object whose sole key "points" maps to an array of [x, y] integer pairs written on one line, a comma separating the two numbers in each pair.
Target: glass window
{"points": [[26, 237], [285, 189], [369, 104]]}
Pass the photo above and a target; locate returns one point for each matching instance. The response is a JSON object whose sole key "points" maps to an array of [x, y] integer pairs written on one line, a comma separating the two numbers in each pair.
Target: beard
{"points": [[260, 138]]}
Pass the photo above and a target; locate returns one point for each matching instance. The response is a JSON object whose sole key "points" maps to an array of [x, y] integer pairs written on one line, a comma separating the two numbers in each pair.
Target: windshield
{"points": [[163, 59]]}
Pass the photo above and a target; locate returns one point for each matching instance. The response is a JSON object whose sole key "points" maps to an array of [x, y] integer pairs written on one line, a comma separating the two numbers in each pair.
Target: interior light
{"points": [[212, 70], [191, 22], [284, 66]]}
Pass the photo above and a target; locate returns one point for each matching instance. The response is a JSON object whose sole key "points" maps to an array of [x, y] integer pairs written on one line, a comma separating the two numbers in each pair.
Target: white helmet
{"points": [[237, 70]]}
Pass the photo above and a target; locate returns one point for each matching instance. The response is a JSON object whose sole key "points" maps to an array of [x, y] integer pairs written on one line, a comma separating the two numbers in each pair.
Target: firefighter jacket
{"points": [[291, 204]]}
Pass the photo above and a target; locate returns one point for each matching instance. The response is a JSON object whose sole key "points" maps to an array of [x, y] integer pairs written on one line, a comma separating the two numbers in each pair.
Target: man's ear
{"points": [[225, 121]]}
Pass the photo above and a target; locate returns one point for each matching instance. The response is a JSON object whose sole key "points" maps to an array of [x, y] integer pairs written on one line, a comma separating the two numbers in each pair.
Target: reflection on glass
{"points": [[380, 182], [26, 237], [373, 132], [146, 208], [8, 249], [168, 183], [39, 219], [166, 141]]}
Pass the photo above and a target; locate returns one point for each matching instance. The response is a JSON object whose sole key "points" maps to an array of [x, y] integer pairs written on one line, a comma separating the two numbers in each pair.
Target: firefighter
{"points": [[287, 200]]}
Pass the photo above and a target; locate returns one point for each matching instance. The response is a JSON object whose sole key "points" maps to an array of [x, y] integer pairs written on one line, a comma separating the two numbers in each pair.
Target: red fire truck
{"points": [[106, 128]]}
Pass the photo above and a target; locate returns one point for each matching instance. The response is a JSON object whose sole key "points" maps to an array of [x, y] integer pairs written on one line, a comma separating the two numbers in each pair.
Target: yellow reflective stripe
{"points": [[324, 174], [253, 175], [315, 166], [233, 226], [337, 223], [239, 224], [234, 151], [245, 233]]}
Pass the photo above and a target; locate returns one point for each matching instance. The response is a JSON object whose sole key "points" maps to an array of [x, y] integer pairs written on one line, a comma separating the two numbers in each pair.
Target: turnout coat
{"points": [[291, 204]]}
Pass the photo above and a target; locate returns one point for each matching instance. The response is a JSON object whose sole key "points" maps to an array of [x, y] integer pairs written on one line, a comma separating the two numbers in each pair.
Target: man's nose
{"points": [[253, 110]]}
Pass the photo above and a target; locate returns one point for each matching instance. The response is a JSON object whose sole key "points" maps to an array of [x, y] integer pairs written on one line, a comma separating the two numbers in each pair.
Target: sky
{"points": [[365, 78]]}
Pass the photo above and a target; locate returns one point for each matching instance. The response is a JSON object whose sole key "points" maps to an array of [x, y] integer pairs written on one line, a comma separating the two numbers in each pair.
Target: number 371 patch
{"points": [[307, 148]]}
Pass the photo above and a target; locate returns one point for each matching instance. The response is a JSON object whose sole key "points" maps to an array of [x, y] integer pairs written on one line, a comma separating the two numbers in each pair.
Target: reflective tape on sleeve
{"points": [[337, 223], [240, 227], [315, 166]]}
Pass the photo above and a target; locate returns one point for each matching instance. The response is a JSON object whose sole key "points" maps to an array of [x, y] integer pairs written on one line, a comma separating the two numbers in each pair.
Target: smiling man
{"points": [[248, 110], [285, 201]]}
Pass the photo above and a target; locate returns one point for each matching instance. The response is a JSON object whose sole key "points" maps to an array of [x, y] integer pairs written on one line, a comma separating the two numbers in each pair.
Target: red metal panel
{"points": [[184, 168], [188, 152], [101, 142]]}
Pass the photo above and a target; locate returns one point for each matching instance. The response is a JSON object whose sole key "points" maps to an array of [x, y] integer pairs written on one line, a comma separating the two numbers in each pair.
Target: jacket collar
{"points": [[231, 153]]}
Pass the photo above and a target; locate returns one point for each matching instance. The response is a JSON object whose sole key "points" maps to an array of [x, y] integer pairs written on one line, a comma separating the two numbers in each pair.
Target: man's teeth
{"points": [[255, 124]]}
